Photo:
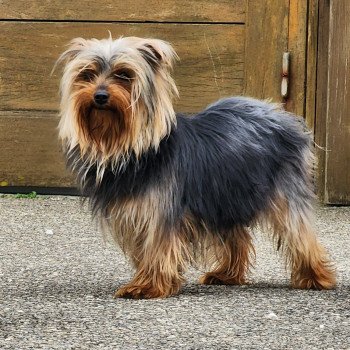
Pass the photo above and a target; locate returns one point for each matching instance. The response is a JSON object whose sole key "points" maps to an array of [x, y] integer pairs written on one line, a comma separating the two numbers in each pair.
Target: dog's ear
{"points": [[74, 47], [158, 52]]}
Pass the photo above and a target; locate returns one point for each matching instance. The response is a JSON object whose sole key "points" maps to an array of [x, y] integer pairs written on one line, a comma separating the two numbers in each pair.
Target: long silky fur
{"points": [[193, 190]]}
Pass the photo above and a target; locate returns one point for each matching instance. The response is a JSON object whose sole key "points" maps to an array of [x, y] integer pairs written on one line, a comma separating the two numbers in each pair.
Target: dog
{"points": [[175, 190]]}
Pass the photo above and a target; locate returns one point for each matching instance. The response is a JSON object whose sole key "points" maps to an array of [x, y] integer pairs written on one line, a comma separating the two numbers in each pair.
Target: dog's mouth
{"points": [[97, 117], [100, 120], [100, 108], [101, 112]]}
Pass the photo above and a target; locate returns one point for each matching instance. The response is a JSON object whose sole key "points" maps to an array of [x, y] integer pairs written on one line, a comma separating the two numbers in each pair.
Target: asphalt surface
{"points": [[58, 275]]}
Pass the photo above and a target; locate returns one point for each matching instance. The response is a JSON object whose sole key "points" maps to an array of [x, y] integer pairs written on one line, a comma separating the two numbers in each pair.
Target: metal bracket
{"points": [[285, 74]]}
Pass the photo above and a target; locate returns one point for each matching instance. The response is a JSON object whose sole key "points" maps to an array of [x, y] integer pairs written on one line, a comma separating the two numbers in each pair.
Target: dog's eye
{"points": [[123, 75], [87, 75]]}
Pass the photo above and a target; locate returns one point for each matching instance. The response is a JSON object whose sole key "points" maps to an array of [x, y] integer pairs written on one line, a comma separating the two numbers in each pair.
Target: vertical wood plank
{"points": [[311, 64], [297, 29], [321, 95], [338, 116], [266, 40]]}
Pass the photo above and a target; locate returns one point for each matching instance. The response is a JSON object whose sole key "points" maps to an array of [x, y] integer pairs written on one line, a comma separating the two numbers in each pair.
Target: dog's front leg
{"points": [[160, 263]]}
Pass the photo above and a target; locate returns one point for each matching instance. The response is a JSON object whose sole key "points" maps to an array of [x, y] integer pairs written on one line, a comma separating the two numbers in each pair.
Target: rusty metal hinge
{"points": [[285, 74]]}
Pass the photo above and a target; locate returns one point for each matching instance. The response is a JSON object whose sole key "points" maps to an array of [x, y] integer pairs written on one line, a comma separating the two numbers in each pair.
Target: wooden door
{"points": [[333, 102], [228, 47]]}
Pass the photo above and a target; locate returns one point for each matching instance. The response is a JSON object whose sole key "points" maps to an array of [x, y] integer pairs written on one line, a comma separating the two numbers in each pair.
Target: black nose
{"points": [[101, 97]]}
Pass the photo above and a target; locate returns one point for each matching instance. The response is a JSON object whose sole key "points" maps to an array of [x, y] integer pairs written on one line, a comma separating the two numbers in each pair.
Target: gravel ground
{"points": [[57, 276]]}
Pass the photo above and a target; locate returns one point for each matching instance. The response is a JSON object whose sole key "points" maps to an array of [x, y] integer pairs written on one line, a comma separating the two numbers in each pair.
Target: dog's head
{"points": [[116, 97]]}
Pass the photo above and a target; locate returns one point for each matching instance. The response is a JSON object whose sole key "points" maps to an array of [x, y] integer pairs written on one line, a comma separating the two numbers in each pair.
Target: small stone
{"points": [[272, 316]]}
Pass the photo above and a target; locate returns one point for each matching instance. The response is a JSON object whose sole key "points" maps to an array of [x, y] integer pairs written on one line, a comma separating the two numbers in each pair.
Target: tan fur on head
{"points": [[139, 114]]}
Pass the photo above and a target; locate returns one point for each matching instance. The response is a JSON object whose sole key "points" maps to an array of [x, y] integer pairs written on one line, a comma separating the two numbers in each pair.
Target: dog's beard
{"points": [[104, 127], [99, 129], [102, 131]]}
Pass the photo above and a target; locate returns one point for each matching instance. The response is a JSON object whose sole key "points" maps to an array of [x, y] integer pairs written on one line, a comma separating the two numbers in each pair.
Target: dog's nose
{"points": [[101, 97]]}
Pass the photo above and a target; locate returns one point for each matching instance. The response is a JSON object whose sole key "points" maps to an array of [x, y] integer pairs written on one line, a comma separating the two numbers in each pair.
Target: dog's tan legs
{"points": [[305, 255], [233, 259], [309, 263], [159, 269]]}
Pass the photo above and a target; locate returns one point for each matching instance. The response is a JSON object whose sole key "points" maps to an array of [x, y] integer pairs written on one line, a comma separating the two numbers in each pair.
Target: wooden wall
{"points": [[226, 48], [208, 36]]}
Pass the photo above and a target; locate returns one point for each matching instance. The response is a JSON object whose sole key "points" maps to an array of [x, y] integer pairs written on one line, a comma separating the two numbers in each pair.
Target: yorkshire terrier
{"points": [[174, 189]]}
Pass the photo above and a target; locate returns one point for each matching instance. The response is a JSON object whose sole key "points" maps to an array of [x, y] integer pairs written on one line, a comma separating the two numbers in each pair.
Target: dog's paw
{"points": [[220, 279], [131, 291], [321, 277]]}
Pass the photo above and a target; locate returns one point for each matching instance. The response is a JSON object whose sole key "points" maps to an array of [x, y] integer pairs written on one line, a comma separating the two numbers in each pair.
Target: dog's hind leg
{"points": [[290, 217], [306, 257], [232, 254]]}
